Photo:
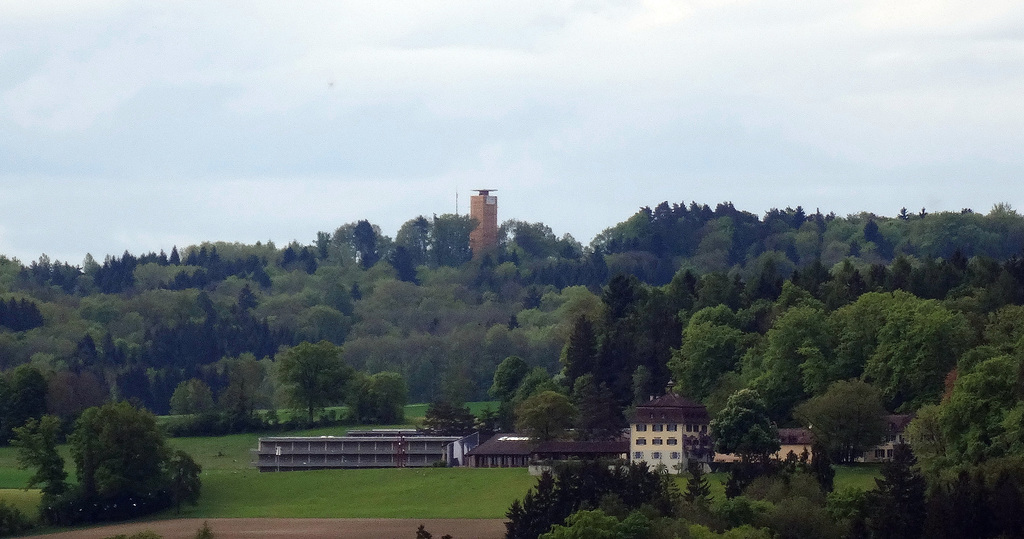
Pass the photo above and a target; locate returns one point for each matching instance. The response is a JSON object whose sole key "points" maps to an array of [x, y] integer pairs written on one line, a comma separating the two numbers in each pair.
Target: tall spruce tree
{"points": [[578, 356], [897, 505]]}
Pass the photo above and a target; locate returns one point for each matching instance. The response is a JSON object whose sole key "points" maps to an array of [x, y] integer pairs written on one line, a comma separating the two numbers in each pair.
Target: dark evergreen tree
{"points": [[822, 469], [896, 508], [584, 484], [86, 354], [959, 510], [246, 299], [697, 487], [402, 261], [579, 354], [598, 415], [1005, 500], [445, 418]]}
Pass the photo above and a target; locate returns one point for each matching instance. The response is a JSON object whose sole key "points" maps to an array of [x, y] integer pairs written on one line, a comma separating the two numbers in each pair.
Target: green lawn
{"points": [[232, 488], [859, 476], [376, 493], [25, 500]]}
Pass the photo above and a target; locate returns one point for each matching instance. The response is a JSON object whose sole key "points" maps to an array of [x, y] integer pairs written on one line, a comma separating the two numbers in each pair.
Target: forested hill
{"points": [[136, 325]]}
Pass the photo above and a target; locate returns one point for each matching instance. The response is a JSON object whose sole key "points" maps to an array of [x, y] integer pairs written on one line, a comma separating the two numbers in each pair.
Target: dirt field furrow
{"points": [[300, 528]]}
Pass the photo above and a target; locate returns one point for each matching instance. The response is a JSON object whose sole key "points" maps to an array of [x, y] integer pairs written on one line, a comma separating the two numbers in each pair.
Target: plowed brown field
{"points": [[301, 528]]}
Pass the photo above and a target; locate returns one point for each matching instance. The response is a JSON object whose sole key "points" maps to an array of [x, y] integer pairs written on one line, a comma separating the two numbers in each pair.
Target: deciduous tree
{"points": [[315, 375], [37, 448], [846, 419], [191, 397], [743, 428], [380, 398], [545, 416]]}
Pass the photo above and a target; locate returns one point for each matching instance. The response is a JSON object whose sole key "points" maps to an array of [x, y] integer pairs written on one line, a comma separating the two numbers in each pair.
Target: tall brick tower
{"points": [[484, 208]]}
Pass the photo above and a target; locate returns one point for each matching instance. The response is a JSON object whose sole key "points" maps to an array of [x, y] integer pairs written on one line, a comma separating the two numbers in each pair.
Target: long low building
{"points": [[516, 450], [368, 449]]}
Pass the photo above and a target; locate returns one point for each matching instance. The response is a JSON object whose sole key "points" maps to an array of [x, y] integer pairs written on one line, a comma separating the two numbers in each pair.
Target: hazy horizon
{"points": [[127, 126]]}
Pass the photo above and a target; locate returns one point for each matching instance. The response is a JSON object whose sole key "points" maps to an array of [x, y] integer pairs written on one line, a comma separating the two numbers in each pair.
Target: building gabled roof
{"points": [[503, 444], [582, 448], [799, 436], [671, 408], [520, 445], [897, 423]]}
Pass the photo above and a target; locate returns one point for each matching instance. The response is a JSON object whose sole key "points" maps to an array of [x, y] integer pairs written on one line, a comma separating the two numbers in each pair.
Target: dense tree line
{"points": [[20, 315], [421, 306], [122, 465], [919, 313]]}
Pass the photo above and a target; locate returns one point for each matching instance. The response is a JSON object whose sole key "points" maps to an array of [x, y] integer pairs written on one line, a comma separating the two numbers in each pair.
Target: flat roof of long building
{"points": [[424, 437]]}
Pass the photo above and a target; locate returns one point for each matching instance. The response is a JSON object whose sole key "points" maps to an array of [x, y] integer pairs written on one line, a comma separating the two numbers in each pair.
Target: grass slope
{"points": [[232, 488], [379, 493]]}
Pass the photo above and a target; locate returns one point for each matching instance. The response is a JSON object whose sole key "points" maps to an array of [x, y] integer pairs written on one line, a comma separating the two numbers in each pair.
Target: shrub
{"points": [[144, 534], [205, 532], [776, 488], [798, 518], [12, 520], [742, 510]]}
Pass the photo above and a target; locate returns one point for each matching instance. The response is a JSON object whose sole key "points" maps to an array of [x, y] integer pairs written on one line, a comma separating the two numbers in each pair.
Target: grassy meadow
{"points": [[233, 488]]}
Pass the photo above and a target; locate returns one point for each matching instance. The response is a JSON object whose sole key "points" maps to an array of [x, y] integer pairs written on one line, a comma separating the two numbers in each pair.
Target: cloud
{"points": [[306, 116]]}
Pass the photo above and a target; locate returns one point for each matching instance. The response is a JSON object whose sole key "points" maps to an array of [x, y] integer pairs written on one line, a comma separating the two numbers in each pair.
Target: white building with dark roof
{"points": [[670, 431]]}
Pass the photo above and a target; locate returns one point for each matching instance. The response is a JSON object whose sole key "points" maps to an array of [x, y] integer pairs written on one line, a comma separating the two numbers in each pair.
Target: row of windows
{"points": [[657, 441], [639, 455], [671, 427]]}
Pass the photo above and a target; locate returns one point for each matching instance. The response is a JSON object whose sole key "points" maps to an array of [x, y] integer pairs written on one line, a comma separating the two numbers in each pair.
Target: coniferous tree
{"points": [[821, 468], [897, 505], [402, 261], [697, 486], [578, 356], [599, 417], [446, 418]]}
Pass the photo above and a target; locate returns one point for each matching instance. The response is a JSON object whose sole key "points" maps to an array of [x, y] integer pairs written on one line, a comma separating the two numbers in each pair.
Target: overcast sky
{"points": [[142, 125]]}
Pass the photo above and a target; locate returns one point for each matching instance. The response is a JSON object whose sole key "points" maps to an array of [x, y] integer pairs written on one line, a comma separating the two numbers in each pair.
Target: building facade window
{"points": [[656, 455], [672, 427], [639, 455], [657, 427], [641, 441], [675, 455], [673, 441], [656, 441], [641, 427]]}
